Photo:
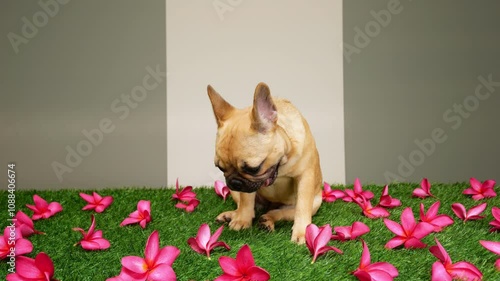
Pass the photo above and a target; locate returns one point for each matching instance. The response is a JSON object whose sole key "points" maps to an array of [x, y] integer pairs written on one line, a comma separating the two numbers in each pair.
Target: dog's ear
{"points": [[264, 114], [221, 107]]}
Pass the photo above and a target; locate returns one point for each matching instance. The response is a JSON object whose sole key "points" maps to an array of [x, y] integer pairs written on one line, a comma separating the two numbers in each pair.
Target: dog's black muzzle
{"points": [[236, 182]]}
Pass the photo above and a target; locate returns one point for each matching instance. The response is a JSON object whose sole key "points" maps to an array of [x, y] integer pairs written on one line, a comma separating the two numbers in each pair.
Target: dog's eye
{"points": [[251, 170], [221, 169]]}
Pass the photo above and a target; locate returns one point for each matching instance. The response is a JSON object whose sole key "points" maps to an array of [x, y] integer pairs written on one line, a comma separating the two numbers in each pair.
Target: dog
{"points": [[267, 153]]}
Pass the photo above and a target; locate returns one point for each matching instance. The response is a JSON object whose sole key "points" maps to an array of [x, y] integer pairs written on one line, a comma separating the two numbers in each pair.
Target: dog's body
{"points": [[267, 151]]}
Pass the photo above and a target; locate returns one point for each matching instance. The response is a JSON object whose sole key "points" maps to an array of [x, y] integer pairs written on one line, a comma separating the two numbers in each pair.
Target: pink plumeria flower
{"points": [[189, 206], [42, 209], [204, 243], [242, 268], [379, 271], [480, 190], [357, 192], [493, 247], [96, 202], [142, 215], [329, 194], [424, 190], [344, 233], [472, 214], [155, 266], [39, 269], [408, 232], [221, 189], [387, 201], [185, 194], [13, 237], [445, 270], [369, 211], [25, 224], [317, 238], [495, 223], [438, 221], [92, 240]]}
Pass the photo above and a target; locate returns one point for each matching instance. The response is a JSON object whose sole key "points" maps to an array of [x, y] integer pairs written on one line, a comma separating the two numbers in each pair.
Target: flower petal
{"points": [[439, 252], [167, 255], [395, 242], [408, 220], [492, 246], [256, 273], [162, 272], [152, 248], [439, 272], [135, 264], [459, 210], [244, 258], [475, 211], [394, 227], [229, 266], [422, 229]]}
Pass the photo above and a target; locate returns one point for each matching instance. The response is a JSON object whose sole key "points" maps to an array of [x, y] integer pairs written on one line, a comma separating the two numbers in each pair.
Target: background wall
{"points": [[293, 46], [416, 104], [68, 67]]}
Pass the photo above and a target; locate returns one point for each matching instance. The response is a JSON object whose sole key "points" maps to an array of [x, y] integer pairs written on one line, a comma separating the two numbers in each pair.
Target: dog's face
{"points": [[248, 150]]}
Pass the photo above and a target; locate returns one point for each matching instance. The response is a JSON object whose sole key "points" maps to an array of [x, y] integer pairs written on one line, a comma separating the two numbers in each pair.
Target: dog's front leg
{"points": [[306, 205], [242, 217]]}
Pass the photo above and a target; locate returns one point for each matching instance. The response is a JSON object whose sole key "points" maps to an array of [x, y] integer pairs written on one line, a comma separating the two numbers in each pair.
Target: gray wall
{"points": [[68, 76], [407, 83]]}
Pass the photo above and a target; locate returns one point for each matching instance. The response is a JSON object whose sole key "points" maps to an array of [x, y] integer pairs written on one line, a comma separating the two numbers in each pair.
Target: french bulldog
{"points": [[267, 153]]}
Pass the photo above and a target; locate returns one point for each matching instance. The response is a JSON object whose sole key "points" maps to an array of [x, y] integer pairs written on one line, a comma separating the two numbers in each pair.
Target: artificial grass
{"points": [[274, 251]]}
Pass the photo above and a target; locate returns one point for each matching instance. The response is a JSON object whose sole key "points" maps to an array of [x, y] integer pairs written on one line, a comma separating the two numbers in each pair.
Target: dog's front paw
{"points": [[299, 237], [238, 224], [225, 217], [235, 222], [266, 222]]}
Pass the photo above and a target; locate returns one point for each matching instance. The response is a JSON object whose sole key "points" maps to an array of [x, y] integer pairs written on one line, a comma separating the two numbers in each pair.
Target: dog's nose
{"points": [[236, 184]]}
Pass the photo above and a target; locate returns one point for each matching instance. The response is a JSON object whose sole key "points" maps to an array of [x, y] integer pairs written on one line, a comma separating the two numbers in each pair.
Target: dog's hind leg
{"points": [[286, 213]]}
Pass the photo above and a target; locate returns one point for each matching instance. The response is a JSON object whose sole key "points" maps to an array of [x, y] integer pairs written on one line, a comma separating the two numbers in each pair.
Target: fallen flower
{"points": [[472, 214], [39, 269], [96, 202], [221, 189], [203, 243], [387, 201], [424, 190], [493, 247], [480, 190], [92, 240], [12, 237], [186, 194], [444, 269], [344, 233], [25, 224], [495, 211], [379, 271], [242, 268], [409, 232], [317, 238], [330, 195], [42, 209], [438, 221], [142, 215], [357, 192], [155, 266], [369, 211], [188, 206]]}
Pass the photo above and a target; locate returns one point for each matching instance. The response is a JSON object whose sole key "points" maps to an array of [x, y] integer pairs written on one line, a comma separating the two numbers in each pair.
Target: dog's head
{"points": [[249, 149]]}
